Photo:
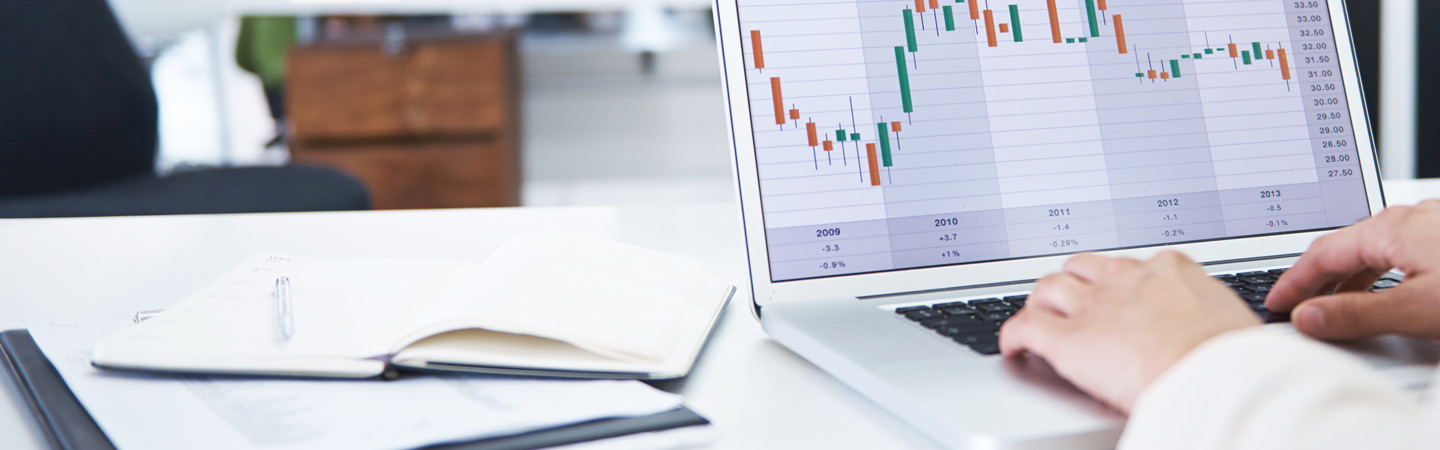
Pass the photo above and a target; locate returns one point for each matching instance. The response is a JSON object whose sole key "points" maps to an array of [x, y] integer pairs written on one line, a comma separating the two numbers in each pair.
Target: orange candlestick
{"points": [[1120, 35], [1284, 66], [1054, 22], [990, 27], [779, 101], [874, 165], [759, 52]]}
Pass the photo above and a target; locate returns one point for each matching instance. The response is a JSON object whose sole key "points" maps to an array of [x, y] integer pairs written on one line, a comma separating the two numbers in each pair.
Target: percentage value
{"points": [[1062, 243], [1277, 223], [1173, 233], [827, 265], [950, 254]]}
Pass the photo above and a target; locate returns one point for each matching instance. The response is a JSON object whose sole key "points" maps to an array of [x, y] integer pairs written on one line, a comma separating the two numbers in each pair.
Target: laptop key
{"points": [[977, 303], [962, 329], [993, 316], [987, 348], [924, 314], [960, 310], [1259, 288], [996, 307], [976, 338], [1258, 273], [1014, 298], [1253, 297], [911, 309], [1263, 279], [956, 320], [949, 321], [1276, 272]]}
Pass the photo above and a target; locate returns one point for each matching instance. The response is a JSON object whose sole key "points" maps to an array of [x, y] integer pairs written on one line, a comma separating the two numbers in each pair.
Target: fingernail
{"points": [[1313, 316]]}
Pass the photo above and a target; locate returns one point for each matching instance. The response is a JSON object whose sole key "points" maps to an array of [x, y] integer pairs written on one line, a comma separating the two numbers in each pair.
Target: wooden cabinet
{"points": [[434, 125]]}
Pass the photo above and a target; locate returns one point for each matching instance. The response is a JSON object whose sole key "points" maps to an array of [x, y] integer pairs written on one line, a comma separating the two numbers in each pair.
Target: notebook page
{"points": [[612, 298], [343, 309], [144, 411]]}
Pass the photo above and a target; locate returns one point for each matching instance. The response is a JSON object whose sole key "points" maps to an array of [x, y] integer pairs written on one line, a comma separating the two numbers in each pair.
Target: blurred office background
{"points": [[614, 101]]}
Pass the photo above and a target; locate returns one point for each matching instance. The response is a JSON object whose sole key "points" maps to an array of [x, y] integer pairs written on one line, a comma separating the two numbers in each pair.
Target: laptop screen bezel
{"points": [[765, 291]]}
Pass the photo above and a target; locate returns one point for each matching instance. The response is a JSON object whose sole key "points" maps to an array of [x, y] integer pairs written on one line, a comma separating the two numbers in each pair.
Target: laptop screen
{"points": [[901, 134]]}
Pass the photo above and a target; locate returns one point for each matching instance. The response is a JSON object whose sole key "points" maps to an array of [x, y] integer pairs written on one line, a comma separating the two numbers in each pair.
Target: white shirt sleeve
{"points": [[1266, 389]]}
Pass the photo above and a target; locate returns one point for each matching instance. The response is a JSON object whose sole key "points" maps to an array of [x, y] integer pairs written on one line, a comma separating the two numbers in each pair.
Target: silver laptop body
{"points": [[894, 153]]}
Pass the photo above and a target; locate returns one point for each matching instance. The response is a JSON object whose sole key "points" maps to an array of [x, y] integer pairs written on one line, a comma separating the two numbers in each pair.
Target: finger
{"points": [[1061, 293], [1356, 315], [1333, 258], [1360, 282], [1034, 330], [1087, 266]]}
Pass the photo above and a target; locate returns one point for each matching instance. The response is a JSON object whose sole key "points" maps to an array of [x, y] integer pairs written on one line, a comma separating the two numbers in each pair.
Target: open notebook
{"points": [[545, 303]]}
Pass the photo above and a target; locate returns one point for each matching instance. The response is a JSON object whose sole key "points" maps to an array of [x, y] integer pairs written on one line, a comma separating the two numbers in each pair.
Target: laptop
{"points": [[907, 168]]}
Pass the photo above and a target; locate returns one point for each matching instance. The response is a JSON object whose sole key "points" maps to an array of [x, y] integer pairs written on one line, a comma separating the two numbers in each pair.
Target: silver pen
{"points": [[284, 313]]}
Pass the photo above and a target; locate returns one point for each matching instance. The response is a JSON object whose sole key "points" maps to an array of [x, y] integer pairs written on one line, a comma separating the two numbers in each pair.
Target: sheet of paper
{"points": [[139, 411], [612, 298], [343, 308]]}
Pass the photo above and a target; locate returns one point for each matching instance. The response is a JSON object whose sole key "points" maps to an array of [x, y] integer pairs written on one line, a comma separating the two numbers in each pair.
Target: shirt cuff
{"points": [[1268, 387]]}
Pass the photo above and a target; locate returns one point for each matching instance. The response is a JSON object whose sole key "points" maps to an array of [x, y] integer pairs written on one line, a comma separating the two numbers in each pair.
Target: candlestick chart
{"points": [[1009, 115]]}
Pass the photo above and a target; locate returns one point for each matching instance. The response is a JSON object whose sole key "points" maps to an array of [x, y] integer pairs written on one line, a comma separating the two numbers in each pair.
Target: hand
{"points": [[1113, 325], [1350, 260]]}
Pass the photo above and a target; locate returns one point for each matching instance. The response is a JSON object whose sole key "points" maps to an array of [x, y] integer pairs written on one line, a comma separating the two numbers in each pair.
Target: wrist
{"points": [[1177, 351]]}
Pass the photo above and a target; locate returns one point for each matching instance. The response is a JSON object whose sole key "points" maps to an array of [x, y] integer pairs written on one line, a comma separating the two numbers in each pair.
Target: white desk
{"points": [[758, 394]]}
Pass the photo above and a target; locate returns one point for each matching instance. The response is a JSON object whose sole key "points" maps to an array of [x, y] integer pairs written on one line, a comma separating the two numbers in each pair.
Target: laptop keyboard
{"points": [[976, 323]]}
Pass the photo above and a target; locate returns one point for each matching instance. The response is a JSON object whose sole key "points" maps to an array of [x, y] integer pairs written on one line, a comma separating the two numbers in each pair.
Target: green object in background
{"points": [[261, 47]]}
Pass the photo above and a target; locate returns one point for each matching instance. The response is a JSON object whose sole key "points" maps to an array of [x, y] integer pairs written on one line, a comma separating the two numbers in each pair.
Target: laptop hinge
{"points": [[1017, 282]]}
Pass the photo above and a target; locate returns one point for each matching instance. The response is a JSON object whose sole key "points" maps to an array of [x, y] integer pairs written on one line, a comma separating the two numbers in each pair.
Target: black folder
{"points": [[67, 425]]}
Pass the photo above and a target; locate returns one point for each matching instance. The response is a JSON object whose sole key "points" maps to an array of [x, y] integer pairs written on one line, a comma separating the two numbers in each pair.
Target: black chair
{"points": [[78, 130]]}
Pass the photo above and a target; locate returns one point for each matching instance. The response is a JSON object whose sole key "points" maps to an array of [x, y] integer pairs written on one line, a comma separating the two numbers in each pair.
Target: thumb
{"points": [[1358, 315]]}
